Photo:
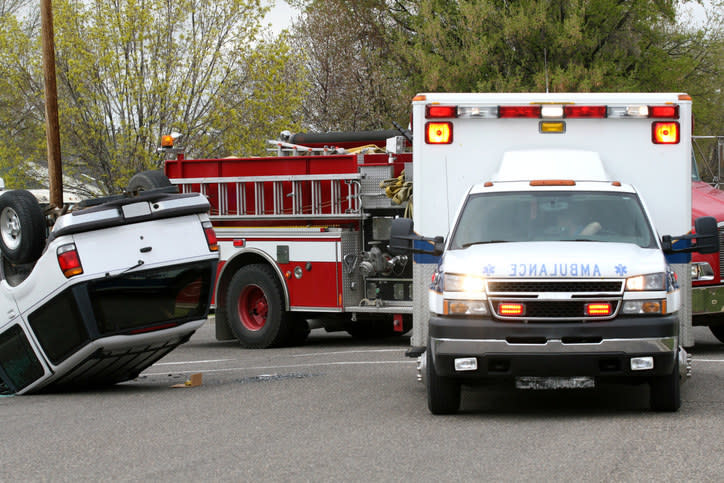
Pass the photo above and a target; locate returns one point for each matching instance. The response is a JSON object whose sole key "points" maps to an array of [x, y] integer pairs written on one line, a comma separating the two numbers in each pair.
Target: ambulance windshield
{"points": [[553, 216]]}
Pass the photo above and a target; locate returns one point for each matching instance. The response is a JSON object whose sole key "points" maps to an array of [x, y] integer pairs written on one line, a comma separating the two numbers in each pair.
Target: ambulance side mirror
{"points": [[707, 234], [403, 236], [706, 237]]}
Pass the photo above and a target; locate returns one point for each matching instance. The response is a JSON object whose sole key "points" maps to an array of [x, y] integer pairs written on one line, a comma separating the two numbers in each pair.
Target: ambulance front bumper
{"points": [[504, 350]]}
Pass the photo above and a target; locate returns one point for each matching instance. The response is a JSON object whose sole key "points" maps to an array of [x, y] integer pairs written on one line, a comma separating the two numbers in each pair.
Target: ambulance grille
{"points": [[589, 286]]}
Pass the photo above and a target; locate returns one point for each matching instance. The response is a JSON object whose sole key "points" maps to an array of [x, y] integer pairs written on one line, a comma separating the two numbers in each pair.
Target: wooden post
{"points": [[52, 127]]}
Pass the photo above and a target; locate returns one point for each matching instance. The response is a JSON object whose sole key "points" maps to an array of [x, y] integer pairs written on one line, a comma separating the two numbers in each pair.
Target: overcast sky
{"points": [[281, 16]]}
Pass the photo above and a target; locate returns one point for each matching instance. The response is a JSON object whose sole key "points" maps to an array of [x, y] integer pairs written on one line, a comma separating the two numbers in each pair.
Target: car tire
{"points": [[22, 227], [443, 394], [254, 308], [665, 391], [148, 180]]}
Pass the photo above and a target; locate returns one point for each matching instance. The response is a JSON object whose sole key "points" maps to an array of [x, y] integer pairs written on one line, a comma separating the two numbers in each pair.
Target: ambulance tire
{"points": [[718, 331], [22, 227], [254, 308], [443, 394], [148, 180], [665, 391]]}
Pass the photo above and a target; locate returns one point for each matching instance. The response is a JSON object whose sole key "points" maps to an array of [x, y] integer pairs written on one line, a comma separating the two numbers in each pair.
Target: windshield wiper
{"points": [[465, 245]]}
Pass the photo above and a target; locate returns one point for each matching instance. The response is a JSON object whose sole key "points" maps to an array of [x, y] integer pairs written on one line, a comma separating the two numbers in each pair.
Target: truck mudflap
{"points": [[483, 348]]}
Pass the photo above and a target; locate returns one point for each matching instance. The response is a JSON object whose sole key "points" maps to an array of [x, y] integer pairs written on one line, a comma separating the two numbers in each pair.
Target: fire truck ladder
{"points": [[328, 196]]}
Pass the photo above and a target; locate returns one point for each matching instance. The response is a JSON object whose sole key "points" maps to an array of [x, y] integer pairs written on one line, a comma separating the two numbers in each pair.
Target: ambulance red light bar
{"points": [[573, 111], [598, 309], [434, 111], [665, 132], [519, 112], [509, 309], [68, 260], [438, 133]]}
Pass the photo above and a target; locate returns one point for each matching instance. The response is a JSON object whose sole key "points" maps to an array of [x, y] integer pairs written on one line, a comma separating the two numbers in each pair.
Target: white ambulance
{"points": [[557, 268]]}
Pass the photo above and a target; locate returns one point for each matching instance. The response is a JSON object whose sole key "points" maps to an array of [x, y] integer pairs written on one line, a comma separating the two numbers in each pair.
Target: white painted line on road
{"points": [[310, 354], [289, 366], [192, 362]]}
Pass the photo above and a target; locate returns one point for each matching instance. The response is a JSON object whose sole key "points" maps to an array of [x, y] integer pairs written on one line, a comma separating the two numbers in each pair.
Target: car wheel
{"points": [[148, 180], [254, 308], [443, 394], [665, 395], [22, 227]]}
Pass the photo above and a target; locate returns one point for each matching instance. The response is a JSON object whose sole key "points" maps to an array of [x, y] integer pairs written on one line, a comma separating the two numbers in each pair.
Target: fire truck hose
{"points": [[399, 191]]}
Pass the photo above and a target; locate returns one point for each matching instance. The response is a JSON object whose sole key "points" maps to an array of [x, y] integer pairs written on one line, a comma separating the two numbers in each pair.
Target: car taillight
{"points": [[210, 236], [69, 260]]}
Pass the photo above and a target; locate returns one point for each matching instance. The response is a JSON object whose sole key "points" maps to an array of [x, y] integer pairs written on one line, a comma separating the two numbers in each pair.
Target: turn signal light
{"points": [[438, 133], [69, 260]]}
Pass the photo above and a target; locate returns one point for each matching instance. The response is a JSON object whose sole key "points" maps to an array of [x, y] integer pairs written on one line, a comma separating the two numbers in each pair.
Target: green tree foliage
{"points": [[22, 136], [130, 71], [353, 85]]}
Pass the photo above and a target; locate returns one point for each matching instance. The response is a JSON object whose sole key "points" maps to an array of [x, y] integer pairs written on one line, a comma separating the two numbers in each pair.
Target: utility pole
{"points": [[52, 126]]}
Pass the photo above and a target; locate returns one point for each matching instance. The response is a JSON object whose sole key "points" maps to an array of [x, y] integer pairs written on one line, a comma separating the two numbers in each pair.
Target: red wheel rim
{"points": [[253, 308]]}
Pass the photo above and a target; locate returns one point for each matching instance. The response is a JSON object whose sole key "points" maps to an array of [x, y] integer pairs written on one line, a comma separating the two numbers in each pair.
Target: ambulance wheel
{"points": [[718, 331], [148, 180], [254, 308], [665, 391], [443, 394], [22, 227]]}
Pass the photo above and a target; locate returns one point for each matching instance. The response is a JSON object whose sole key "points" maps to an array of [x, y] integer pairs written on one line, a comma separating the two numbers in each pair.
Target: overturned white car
{"points": [[115, 285]]}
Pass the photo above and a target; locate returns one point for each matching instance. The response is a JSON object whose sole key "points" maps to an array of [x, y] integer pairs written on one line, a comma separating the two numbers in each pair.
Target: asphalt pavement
{"points": [[340, 409]]}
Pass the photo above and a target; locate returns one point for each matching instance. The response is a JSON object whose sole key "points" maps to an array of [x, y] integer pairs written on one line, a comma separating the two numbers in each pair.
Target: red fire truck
{"points": [[303, 235]]}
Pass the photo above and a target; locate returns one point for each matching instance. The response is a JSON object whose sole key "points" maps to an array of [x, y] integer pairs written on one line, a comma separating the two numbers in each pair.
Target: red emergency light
{"points": [[665, 132], [519, 112], [438, 133], [598, 309], [665, 112], [511, 309], [433, 111], [585, 111]]}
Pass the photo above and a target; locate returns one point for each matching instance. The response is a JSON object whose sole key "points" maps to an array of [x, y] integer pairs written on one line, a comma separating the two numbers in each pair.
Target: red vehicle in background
{"points": [[707, 271]]}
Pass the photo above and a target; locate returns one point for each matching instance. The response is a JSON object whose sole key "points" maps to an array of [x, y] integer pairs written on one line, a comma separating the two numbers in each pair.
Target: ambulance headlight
{"points": [[463, 283], [654, 281], [701, 271]]}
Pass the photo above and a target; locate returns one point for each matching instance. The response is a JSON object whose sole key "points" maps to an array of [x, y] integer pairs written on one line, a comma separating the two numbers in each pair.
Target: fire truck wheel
{"points": [[254, 308], [718, 331], [665, 394], [22, 227], [148, 180], [443, 394]]}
